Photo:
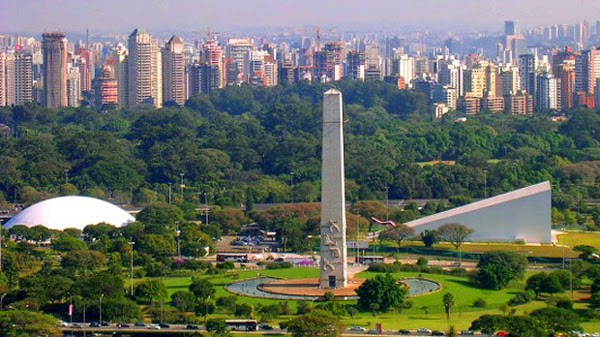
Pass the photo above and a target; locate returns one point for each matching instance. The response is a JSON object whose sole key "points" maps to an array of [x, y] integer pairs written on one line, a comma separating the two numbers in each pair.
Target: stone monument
{"points": [[333, 196]]}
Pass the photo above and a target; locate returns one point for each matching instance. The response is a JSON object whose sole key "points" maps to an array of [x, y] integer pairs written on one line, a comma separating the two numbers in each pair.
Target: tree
{"points": [[83, 262], [67, 243], [149, 291], [216, 325], [488, 324], [17, 323], [316, 324], [586, 251], [454, 233], [381, 290], [497, 268], [448, 301], [184, 301], [398, 234], [535, 283], [429, 237], [202, 288], [557, 319]]}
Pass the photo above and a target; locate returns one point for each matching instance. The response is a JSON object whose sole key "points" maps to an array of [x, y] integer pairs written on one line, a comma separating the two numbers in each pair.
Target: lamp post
{"points": [[101, 297], [131, 265], [170, 192], [181, 186], [66, 176], [292, 185], [206, 206], [206, 309], [2, 300], [177, 235], [387, 213], [485, 184]]}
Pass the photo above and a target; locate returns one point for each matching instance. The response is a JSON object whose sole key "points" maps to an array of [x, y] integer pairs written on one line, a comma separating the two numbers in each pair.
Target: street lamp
{"points": [[169, 192], [181, 186], [206, 206], [387, 213], [292, 185], [178, 234], [485, 184], [2, 300], [66, 176], [131, 265], [101, 297]]}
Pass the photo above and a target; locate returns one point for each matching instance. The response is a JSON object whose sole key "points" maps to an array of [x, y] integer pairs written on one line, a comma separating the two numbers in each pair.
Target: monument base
{"points": [[309, 287]]}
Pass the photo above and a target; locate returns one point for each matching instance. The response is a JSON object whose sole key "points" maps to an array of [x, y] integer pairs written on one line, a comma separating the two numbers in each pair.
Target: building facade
{"points": [[54, 47]]}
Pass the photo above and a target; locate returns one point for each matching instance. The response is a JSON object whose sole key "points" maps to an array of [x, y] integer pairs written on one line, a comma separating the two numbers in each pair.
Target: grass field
{"points": [[413, 318], [573, 239]]}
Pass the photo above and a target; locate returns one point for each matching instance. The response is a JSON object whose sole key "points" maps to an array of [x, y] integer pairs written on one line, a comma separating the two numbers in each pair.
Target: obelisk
{"points": [[333, 195]]}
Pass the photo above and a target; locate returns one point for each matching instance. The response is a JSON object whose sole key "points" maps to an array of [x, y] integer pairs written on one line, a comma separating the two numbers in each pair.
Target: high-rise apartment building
{"points": [[237, 53], [143, 70], [173, 71], [121, 72], [73, 87], [203, 78], [547, 95], [212, 54], [54, 46], [23, 78], [2, 79], [587, 70], [565, 73], [527, 71], [107, 87], [475, 82], [511, 28], [404, 66], [328, 61]]}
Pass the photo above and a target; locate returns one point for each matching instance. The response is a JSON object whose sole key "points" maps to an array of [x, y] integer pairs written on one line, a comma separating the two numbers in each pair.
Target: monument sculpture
{"points": [[334, 273]]}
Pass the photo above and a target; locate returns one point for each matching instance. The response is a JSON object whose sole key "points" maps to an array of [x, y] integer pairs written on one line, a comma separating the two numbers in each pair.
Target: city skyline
{"points": [[118, 16]]}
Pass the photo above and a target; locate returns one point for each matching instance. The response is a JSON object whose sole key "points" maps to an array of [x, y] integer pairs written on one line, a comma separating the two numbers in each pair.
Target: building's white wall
{"points": [[527, 218]]}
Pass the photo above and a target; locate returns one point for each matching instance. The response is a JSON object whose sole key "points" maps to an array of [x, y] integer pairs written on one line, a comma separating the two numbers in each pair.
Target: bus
{"points": [[242, 324], [233, 257], [369, 259]]}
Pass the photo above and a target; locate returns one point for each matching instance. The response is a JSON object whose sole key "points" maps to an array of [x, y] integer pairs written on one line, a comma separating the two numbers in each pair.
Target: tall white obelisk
{"points": [[333, 196]]}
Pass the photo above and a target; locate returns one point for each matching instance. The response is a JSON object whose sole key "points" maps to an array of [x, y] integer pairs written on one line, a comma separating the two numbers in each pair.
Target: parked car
{"points": [[265, 327], [192, 327], [94, 325], [438, 333], [104, 323], [424, 330], [140, 324], [123, 325], [404, 332], [164, 325], [467, 332], [358, 328], [154, 326]]}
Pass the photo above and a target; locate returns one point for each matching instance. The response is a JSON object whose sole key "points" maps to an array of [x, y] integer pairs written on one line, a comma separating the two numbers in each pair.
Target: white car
{"points": [[358, 328], [154, 327], [424, 330]]}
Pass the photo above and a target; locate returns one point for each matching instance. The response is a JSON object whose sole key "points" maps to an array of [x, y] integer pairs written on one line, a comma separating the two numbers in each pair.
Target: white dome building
{"points": [[71, 212]]}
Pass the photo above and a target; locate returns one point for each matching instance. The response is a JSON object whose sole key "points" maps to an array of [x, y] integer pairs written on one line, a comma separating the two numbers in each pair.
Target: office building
{"points": [[511, 28], [54, 47], [173, 70]]}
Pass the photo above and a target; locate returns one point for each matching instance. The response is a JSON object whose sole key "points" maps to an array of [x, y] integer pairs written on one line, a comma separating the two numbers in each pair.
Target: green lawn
{"points": [[573, 239], [464, 292]]}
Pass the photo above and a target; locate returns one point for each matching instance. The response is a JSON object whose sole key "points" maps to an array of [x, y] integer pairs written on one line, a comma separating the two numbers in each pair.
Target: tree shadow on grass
{"points": [[425, 318], [465, 283]]}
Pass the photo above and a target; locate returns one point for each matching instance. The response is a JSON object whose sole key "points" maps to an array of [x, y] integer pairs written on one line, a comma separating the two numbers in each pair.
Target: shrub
{"points": [[279, 265], [564, 303], [480, 303], [422, 261], [521, 298], [458, 272], [226, 265], [386, 268]]}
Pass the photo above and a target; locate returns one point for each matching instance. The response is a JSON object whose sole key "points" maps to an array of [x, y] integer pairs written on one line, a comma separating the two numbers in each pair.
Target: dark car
{"points": [[94, 325], [164, 325], [140, 324], [104, 323], [123, 325], [192, 327], [404, 332], [265, 327], [438, 333]]}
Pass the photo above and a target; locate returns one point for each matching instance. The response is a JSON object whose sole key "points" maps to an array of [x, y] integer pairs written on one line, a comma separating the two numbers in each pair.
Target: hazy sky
{"points": [[124, 15]]}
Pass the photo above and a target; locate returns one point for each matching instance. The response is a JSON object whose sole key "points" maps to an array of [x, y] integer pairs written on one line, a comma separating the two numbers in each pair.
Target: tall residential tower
{"points": [[54, 47]]}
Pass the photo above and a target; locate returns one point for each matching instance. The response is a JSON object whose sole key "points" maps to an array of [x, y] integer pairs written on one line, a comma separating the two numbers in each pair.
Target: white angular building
{"points": [[520, 215]]}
